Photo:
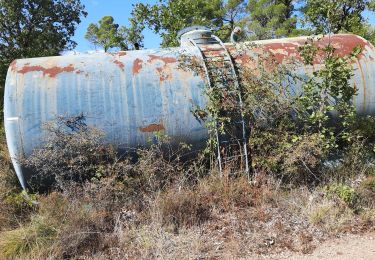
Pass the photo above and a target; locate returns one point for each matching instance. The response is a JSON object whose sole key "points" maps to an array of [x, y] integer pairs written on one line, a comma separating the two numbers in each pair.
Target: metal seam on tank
{"points": [[141, 106], [108, 90], [165, 107], [19, 147], [363, 85], [119, 103], [54, 99], [20, 122], [125, 106], [135, 105], [105, 99], [367, 84], [89, 102], [122, 105], [354, 82], [111, 89], [188, 88], [371, 72]]}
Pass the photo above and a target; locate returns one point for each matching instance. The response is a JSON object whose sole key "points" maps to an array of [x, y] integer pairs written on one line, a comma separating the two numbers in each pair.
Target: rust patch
{"points": [[137, 66], [344, 44], [284, 50], [27, 69], [79, 71], [51, 72], [13, 65], [119, 64], [121, 53], [163, 75], [243, 59], [152, 128], [166, 60], [164, 71]]}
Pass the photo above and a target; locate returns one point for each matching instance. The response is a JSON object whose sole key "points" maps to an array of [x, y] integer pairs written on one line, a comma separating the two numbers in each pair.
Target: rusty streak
{"points": [[152, 128], [137, 66], [51, 72], [166, 60], [162, 75], [13, 65], [119, 64]]}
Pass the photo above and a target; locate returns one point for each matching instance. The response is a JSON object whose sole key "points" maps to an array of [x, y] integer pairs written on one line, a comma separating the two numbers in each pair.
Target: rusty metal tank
{"points": [[131, 95]]}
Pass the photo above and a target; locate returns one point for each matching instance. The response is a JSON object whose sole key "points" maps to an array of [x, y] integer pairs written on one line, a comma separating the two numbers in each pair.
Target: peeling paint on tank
{"points": [[152, 128], [166, 60], [51, 72], [120, 64], [164, 74], [13, 65], [137, 66]]}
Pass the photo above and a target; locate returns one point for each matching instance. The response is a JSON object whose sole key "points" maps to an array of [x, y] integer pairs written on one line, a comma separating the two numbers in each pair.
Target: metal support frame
{"points": [[227, 58]]}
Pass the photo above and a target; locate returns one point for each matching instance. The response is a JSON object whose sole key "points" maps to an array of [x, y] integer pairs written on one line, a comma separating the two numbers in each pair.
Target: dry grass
{"points": [[214, 218], [14, 207]]}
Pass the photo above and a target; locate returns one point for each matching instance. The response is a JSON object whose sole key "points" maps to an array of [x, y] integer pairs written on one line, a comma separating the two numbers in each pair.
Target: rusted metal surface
{"points": [[131, 95], [284, 51], [152, 128]]}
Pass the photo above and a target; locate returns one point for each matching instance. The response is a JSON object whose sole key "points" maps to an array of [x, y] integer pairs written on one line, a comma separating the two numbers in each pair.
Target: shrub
{"points": [[344, 192], [72, 153], [366, 191], [330, 216]]}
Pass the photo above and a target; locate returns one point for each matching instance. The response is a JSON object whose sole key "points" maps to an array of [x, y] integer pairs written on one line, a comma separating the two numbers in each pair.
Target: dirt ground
{"points": [[349, 247]]}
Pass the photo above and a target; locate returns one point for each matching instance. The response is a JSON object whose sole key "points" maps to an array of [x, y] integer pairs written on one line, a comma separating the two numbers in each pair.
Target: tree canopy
{"points": [[35, 28], [272, 19], [107, 34], [334, 16], [169, 16], [262, 19]]}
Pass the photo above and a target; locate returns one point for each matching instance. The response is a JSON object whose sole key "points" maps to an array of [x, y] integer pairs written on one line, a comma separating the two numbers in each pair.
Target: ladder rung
{"points": [[212, 56]]}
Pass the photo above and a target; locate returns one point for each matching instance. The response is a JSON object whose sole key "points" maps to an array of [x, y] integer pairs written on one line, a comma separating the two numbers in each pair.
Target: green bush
{"points": [[344, 192]]}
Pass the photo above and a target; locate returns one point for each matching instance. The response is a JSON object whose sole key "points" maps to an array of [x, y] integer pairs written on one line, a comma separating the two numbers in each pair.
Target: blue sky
{"points": [[120, 10]]}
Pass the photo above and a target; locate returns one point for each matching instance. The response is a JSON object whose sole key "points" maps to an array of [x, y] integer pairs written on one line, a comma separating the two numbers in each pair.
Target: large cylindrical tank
{"points": [[131, 95]]}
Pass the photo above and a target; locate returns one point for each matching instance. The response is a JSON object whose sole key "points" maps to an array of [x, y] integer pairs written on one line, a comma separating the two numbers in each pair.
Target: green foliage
{"points": [[36, 28], [168, 17], [344, 192], [270, 19], [328, 90], [265, 18], [262, 19], [334, 16], [107, 35]]}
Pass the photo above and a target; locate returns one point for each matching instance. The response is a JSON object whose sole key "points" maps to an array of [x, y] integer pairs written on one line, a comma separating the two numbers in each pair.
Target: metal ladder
{"points": [[221, 73]]}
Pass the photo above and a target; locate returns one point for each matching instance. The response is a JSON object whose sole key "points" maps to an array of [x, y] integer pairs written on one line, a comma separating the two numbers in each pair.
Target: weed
{"points": [[33, 237], [344, 192]]}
